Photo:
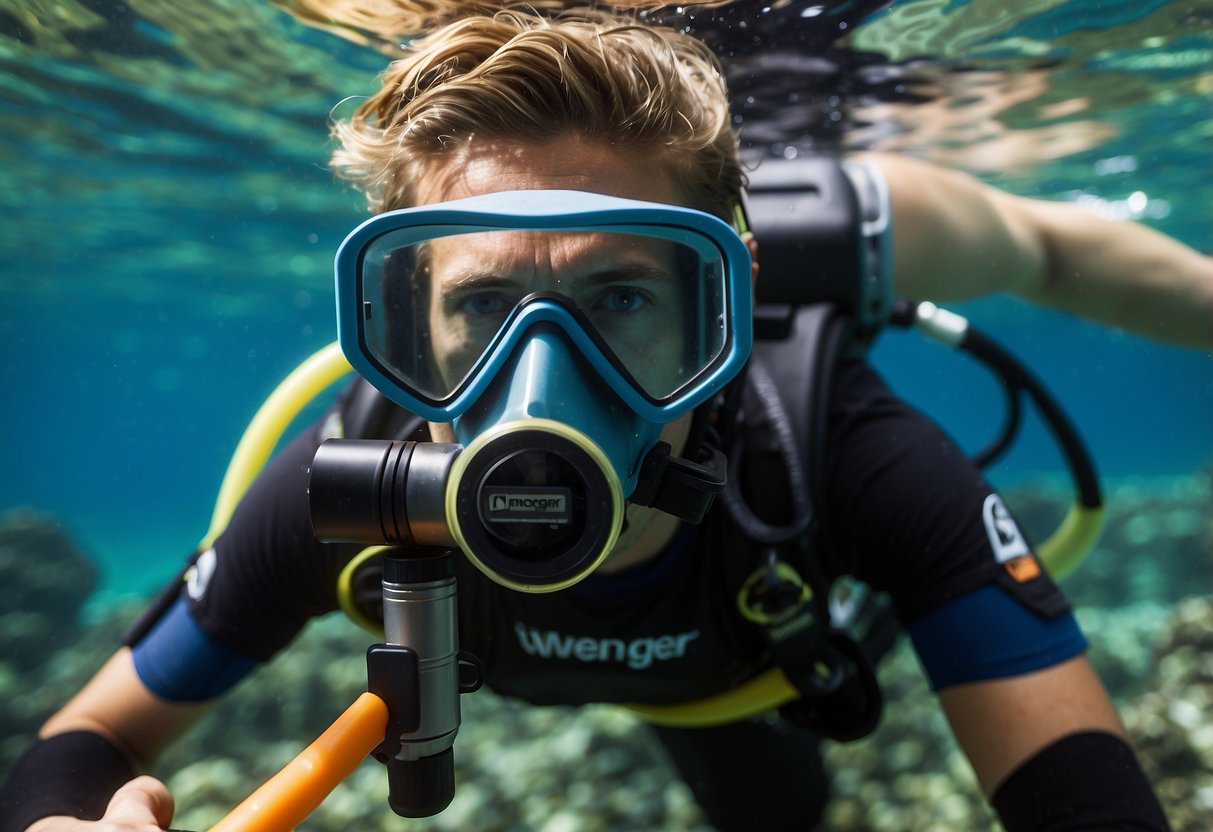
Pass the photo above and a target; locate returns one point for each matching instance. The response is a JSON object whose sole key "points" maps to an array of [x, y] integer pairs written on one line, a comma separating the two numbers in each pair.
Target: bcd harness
{"points": [[825, 293]]}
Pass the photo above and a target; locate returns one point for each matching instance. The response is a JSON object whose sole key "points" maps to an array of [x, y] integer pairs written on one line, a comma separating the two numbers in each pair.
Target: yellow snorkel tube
{"points": [[295, 392]]}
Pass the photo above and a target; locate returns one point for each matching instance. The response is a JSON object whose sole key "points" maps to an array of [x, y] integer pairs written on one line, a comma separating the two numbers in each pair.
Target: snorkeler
{"points": [[621, 335]]}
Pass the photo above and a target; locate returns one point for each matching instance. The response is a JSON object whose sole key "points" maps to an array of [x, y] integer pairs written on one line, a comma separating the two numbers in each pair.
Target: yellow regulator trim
{"points": [[345, 590], [560, 429], [759, 695], [783, 571]]}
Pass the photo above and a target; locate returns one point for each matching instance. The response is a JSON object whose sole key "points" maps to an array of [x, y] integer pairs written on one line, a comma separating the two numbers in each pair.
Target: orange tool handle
{"points": [[287, 798]]}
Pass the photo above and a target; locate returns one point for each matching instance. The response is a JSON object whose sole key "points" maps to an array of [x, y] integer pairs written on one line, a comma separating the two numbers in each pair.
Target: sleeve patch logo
{"points": [[198, 577], [1007, 542], [1023, 569]]}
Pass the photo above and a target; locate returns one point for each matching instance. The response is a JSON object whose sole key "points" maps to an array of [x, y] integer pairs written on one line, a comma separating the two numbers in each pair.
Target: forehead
{"points": [[544, 248], [571, 162]]}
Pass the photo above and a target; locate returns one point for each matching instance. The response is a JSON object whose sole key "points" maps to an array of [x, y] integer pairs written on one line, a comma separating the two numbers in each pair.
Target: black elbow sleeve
{"points": [[73, 774], [1085, 781]]}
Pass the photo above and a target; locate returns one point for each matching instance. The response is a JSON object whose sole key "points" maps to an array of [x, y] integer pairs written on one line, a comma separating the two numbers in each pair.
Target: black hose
{"points": [[802, 450], [1018, 378], [763, 387], [1010, 429]]}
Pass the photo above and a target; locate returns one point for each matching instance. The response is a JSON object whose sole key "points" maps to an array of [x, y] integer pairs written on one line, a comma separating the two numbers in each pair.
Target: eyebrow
{"points": [[627, 271], [623, 272]]}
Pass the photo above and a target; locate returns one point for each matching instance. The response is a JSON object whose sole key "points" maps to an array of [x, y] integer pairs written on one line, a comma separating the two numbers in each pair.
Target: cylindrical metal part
{"points": [[422, 616], [381, 491], [345, 486], [425, 492]]}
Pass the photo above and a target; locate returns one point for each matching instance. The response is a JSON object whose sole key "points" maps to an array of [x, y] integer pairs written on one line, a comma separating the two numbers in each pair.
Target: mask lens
{"points": [[436, 303]]}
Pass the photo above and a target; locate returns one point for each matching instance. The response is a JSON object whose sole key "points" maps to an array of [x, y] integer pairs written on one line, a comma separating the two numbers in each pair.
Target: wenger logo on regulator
{"points": [[528, 505]]}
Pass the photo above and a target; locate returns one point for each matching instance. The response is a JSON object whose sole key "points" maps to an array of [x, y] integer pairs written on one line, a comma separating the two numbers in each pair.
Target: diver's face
{"points": [[626, 286], [623, 284]]}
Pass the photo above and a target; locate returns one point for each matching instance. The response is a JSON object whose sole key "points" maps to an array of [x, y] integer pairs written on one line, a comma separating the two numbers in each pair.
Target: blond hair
{"points": [[519, 75]]}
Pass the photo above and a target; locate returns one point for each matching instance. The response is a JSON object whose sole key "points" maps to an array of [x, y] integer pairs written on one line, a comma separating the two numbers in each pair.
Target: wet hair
{"points": [[521, 76]]}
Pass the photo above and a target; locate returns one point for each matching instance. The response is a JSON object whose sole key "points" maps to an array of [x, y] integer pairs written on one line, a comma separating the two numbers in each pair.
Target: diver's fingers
{"points": [[142, 803]]}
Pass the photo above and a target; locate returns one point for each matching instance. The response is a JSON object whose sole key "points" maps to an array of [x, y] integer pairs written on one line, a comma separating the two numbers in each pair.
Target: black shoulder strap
{"points": [[786, 410], [800, 368]]}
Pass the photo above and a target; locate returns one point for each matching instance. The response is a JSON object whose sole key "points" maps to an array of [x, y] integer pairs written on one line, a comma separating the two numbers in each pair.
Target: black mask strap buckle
{"points": [[680, 487]]}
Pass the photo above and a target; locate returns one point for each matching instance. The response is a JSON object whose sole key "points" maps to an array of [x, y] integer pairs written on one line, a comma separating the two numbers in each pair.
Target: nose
{"points": [[548, 379], [545, 379]]}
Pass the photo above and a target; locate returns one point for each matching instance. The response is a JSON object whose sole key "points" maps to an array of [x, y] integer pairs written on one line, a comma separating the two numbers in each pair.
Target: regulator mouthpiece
{"points": [[536, 506]]}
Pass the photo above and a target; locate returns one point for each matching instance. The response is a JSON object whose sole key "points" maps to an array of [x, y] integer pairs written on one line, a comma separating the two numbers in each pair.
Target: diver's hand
{"points": [[142, 805]]}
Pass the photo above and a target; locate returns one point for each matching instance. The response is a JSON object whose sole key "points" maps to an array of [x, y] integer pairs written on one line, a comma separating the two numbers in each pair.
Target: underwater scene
{"points": [[169, 224]]}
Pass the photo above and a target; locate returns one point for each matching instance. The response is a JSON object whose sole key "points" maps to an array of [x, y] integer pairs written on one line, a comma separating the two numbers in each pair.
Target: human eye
{"points": [[623, 300], [482, 305]]}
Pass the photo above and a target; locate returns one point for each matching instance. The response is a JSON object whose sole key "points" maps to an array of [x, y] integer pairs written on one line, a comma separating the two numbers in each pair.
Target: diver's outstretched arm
{"points": [[1048, 748], [957, 238]]}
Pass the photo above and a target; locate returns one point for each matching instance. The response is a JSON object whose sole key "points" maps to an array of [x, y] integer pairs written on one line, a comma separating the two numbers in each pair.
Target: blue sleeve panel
{"points": [[987, 634], [180, 663]]}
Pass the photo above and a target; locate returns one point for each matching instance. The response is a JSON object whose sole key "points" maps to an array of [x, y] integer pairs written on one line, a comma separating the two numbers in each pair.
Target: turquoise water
{"points": [[169, 226]]}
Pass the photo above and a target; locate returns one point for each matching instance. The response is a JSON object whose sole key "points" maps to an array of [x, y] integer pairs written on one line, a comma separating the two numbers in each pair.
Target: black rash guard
{"points": [[909, 515]]}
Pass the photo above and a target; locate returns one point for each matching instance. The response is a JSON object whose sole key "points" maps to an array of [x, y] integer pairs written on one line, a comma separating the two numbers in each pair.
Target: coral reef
{"points": [[44, 581], [1172, 722]]}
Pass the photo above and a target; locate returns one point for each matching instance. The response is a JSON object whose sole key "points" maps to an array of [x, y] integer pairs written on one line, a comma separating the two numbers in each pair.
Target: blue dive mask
{"points": [[557, 332]]}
